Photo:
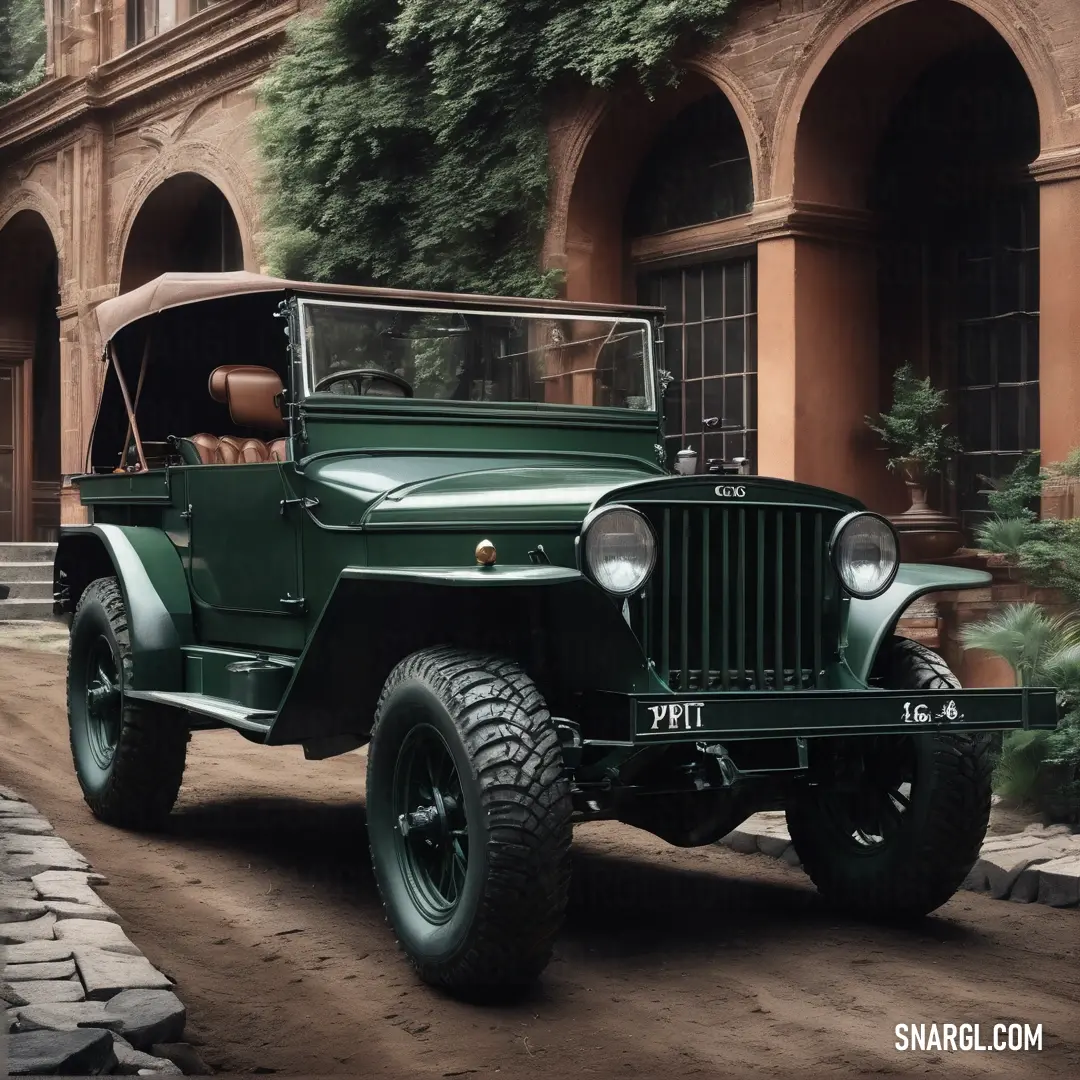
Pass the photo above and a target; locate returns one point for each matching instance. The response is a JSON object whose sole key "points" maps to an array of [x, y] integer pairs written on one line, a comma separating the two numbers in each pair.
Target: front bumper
{"points": [[651, 718]]}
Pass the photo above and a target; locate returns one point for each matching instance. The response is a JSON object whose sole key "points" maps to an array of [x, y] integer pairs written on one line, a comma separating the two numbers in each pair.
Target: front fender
{"points": [[550, 618], [872, 622], [152, 580]]}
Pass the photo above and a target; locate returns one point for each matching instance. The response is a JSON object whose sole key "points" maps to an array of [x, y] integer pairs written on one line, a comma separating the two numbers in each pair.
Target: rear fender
{"points": [[566, 631], [871, 623], [154, 586]]}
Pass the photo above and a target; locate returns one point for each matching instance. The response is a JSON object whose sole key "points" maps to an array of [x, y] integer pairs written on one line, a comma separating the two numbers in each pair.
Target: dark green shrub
{"points": [[22, 46], [405, 141], [1041, 768]]}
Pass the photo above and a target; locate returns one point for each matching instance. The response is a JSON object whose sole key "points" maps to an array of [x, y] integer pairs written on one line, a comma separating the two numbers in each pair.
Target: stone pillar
{"points": [[1059, 349], [81, 171], [72, 449], [818, 371]]}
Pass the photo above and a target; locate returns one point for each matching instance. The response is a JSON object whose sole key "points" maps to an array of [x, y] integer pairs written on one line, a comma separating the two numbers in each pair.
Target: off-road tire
{"points": [[137, 788], [942, 831], [508, 759]]}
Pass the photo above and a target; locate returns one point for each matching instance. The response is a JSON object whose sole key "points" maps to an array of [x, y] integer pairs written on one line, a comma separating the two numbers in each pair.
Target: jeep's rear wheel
{"points": [[128, 755], [469, 820], [900, 825]]}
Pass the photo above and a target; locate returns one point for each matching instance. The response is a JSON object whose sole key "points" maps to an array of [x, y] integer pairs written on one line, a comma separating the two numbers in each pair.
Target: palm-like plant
{"points": [[1039, 647], [1043, 650], [1004, 536]]}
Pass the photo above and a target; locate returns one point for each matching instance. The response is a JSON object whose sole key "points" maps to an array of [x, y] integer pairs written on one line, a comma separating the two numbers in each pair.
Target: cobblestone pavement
{"points": [[80, 998]]}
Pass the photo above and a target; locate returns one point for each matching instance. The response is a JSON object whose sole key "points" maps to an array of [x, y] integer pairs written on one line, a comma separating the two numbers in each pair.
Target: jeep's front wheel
{"points": [[128, 755], [898, 826], [469, 820]]}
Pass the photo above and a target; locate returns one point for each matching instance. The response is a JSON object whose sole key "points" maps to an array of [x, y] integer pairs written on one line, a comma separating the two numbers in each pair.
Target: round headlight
{"points": [[619, 549], [866, 554]]}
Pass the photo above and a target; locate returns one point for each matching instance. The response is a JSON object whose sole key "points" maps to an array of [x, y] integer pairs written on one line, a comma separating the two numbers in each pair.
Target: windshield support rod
{"points": [[133, 427]]}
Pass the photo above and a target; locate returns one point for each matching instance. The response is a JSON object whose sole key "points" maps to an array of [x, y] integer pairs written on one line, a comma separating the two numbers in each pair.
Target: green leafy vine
{"points": [[22, 47], [404, 142]]}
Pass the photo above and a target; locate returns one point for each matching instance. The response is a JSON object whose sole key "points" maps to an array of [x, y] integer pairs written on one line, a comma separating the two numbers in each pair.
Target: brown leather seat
{"points": [[253, 395]]}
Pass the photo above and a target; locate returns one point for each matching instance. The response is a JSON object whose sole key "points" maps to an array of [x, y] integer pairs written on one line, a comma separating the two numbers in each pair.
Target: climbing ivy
{"points": [[404, 141], [22, 46]]}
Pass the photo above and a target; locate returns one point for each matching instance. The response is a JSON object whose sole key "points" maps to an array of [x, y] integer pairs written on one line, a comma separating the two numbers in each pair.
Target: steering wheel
{"points": [[357, 375]]}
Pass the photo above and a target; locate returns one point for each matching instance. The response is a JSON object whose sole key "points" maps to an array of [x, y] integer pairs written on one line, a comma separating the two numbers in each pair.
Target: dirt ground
{"points": [[259, 902]]}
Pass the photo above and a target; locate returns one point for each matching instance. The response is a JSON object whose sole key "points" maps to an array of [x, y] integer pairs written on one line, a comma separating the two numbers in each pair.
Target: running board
{"points": [[229, 712]]}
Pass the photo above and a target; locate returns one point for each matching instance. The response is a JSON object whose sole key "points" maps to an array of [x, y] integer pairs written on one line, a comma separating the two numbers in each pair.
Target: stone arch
{"points": [[185, 224], [1010, 19], [740, 99], [212, 164], [36, 198], [30, 370], [576, 137]]}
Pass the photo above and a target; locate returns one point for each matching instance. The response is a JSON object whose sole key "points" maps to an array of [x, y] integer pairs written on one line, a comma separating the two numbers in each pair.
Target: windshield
{"points": [[354, 349]]}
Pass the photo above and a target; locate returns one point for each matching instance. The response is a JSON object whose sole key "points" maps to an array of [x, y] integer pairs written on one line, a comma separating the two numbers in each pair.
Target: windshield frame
{"points": [[647, 325]]}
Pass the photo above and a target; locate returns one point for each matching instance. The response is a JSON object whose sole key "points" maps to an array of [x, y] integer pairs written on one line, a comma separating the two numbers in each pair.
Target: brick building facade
{"points": [[132, 158], [836, 187]]}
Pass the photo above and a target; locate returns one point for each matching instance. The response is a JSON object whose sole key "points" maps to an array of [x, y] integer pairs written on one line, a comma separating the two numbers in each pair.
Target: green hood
{"points": [[448, 489], [394, 491]]}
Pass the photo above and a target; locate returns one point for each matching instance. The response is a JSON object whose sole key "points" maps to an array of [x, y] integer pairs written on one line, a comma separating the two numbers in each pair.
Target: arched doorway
{"points": [[915, 139], [30, 475], [185, 224], [959, 256], [698, 173]]}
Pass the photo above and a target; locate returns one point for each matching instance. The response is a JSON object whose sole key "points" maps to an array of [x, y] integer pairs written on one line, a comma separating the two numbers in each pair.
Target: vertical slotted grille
{"points": [[741, 598]]}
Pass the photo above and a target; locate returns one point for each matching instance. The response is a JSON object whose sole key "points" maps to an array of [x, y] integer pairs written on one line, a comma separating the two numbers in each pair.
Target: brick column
{"points": [[1059, 350], [818, 370]]}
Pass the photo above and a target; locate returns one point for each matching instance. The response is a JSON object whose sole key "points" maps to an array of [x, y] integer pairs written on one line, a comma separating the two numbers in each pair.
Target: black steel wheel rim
{"points": [[431, 834], [104, 702]]}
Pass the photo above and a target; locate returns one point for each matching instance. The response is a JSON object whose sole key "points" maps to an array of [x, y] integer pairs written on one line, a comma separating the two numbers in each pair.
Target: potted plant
{"points": [[921, 448], [913, 429]]}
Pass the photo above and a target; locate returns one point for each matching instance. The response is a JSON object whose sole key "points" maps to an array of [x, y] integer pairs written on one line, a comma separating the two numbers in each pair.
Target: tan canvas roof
{"points": [[174, 289]]}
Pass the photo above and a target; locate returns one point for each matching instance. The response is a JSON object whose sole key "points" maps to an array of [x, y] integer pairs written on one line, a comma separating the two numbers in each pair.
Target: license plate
{"points": [[748, 714]]}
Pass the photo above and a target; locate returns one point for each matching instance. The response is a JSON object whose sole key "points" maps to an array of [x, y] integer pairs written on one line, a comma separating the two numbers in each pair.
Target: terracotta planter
{"points": [[926, 535], [915, 478]]}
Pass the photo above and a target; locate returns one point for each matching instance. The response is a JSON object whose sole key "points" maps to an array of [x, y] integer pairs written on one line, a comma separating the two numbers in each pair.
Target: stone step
{"points": [[18, 610], [25, 571], [26, 590], [27, 553]]}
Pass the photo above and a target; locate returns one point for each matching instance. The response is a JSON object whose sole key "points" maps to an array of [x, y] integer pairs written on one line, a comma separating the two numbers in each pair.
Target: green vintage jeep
{"points": [[442, 527]]}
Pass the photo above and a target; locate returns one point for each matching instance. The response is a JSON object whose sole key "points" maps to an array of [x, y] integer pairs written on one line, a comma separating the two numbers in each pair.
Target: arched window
{"points": [[698, 171], [185, 224]]}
